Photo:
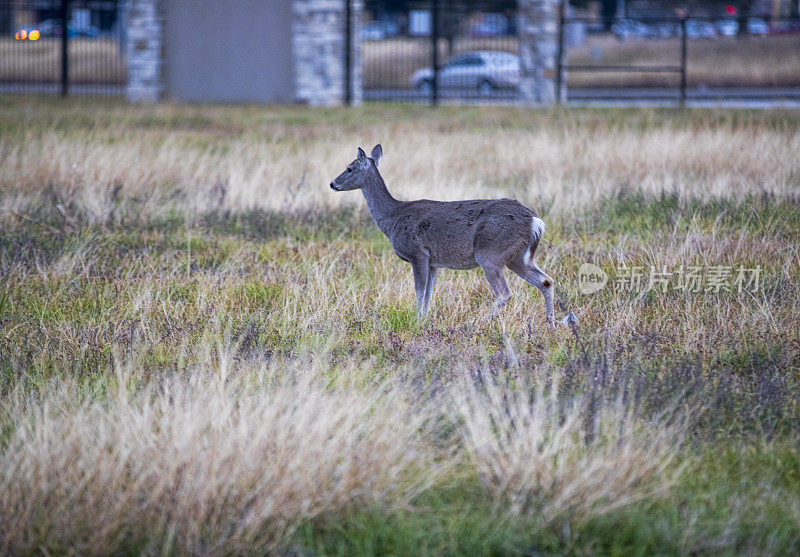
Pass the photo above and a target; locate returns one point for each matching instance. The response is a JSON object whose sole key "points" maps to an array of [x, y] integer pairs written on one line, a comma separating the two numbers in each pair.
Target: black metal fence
{"points": [[62, 46], [448, 51], [680, 59], [668, 65], [442, 51]]}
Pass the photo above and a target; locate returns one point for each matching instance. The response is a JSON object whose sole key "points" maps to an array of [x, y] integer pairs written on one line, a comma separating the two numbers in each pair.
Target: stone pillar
{"points": [[538, 45], [144, 27], [356, 66], [318, 44]]}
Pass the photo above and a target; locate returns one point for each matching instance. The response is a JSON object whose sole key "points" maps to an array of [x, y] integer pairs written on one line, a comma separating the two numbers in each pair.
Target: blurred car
{"points": [[90, 32], [480, 70], [630, 28], [52, 28], [728, 27], [697, 29], [490, 25], [757, 26], [373, 31], [667, 30], [783, 27], [378, 30]]}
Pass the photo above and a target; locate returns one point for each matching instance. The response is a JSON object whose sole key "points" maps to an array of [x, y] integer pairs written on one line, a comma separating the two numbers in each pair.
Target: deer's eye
{"points": [[349, 169]]}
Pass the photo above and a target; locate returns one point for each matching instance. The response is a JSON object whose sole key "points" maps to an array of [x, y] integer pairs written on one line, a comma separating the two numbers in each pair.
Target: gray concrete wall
{"points": [[232, 50]]}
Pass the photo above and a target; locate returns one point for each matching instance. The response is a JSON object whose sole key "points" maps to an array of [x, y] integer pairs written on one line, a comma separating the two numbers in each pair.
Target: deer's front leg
{"points": [[420, 268]]}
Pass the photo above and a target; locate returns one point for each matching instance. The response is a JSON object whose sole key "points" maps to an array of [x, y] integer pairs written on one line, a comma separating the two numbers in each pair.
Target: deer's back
{"points": [[451, 233]]}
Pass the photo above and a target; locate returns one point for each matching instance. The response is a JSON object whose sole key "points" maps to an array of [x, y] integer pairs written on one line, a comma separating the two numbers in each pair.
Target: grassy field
{"points": [[772, 61], [203, 349]]}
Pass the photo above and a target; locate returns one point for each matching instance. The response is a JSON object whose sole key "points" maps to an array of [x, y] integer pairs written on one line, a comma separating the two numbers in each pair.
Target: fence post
{"points": [[560, 51], [683, 61], [64, 13], [348, 52], [435, 51]]}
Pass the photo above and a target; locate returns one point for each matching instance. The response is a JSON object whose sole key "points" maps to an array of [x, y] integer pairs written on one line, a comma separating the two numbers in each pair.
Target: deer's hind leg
{"points": [[538, 278], [429, 286], [494, 275], [421, 276]]}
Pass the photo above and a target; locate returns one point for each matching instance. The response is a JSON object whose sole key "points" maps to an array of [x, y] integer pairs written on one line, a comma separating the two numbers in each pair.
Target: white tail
{"points": [[537, 231]]}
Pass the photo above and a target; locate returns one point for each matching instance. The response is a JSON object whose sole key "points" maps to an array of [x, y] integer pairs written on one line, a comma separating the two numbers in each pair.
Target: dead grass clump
{"points": [[204, 465], [551, 458]]}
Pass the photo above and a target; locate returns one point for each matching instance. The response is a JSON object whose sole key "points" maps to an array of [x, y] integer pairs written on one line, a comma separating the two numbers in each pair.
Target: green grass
{"points": [[114, 297], [702, 514]]}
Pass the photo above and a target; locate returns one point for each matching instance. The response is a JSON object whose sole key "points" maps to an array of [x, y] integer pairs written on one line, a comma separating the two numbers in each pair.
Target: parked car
{"points": [[783, 27], [698, 29], [49, 27], [52, 28], [728, 27], [480, 70], [379, 30], [373, 31], [757, 26], [630, 28], [667, 30], [490, 25]]}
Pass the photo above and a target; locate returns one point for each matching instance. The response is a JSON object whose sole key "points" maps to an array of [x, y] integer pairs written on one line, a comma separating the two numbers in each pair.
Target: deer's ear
{"points": [[377, 153], [362, 157]]}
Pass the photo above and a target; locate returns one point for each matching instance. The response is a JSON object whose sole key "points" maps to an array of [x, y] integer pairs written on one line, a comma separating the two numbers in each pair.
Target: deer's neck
{"points": [[380, 202]]}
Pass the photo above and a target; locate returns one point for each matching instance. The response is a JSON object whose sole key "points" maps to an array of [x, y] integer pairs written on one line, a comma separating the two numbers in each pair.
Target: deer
{"points": [[488, 233]]}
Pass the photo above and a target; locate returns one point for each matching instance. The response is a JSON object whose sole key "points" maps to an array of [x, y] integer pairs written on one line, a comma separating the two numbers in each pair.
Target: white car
{"points": [[373, 31], [629, 29], [757, 26], [699, 29], [481, 70], [728, 27]]}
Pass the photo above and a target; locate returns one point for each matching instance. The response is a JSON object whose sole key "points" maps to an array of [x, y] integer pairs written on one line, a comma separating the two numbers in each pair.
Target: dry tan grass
{"points": [[172, 383], [537, 455], [233, 458], [276, 166], [226, 460]]}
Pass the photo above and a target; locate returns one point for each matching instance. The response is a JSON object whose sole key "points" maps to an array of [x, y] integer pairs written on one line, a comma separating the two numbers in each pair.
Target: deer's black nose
{"points": [[333, 186]]}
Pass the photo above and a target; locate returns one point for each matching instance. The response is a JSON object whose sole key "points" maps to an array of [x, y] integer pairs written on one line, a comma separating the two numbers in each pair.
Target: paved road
{"points": [[698, 97]]}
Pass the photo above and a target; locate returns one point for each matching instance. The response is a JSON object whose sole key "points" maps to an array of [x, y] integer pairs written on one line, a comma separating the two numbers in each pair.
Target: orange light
{"points": [[33, 35], [21, 35]]}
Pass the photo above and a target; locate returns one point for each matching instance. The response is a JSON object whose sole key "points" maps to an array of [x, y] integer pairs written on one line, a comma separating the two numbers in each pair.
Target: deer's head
{"points": [[357, 173]]}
